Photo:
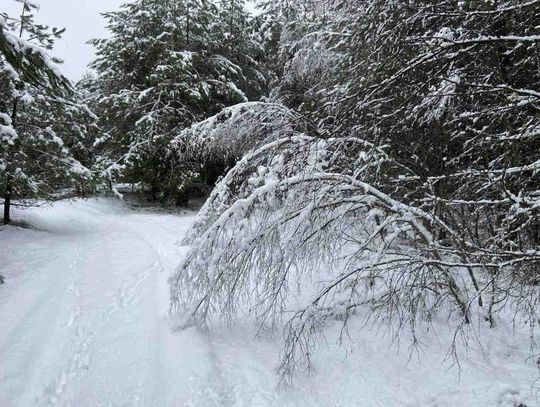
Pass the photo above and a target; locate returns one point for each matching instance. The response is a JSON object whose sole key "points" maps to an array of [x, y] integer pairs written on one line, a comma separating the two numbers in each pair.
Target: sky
{"points": [[82, 21]]}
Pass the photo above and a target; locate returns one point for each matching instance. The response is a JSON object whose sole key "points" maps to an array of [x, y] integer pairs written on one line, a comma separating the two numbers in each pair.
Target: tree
{"points": [[168, 64], [34, 158], [205, 150], [412, 191]]}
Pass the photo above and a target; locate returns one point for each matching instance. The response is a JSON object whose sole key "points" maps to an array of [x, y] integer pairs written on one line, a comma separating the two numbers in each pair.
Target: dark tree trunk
{"points": [[7, 205], [182, 199], [187, 28], [154, 192]]}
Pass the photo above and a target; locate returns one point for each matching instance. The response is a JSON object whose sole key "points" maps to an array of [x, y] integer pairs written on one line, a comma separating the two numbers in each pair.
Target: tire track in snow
{"points": [[136, 295], [217, 390], [42, 323], [79, 356]]}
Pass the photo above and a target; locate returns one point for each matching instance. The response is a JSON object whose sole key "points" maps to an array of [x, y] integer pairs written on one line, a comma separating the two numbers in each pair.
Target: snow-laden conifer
{"points": [[35, 108], [167, 64]]}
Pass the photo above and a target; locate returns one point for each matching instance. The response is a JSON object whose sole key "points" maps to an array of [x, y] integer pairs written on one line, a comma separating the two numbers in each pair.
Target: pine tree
{"points": [[34, 156], [167, 64]]}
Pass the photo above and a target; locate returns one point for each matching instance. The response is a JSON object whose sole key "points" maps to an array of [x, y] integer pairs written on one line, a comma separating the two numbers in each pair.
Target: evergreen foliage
{"points": [[37, 115], [168, 64]]}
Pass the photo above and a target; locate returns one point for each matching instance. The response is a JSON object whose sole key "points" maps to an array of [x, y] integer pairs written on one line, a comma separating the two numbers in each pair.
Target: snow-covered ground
{"points": [[83, 322]]}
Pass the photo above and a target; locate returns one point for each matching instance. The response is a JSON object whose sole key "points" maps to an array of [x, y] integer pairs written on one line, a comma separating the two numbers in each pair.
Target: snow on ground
{"points": [[83, 322]]}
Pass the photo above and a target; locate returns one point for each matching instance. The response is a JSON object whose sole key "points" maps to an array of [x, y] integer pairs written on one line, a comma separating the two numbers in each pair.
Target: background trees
{"points": [[168, 64]]}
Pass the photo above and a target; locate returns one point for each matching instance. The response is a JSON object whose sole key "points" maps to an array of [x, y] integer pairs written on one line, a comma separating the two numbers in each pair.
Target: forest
{"points": [[362, 166]]}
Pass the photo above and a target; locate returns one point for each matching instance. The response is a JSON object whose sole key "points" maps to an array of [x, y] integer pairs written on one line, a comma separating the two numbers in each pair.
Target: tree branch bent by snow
{"points": [[295, 228]]}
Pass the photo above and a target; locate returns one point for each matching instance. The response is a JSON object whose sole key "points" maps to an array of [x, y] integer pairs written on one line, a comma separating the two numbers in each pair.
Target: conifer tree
{"points": [[34, 151], [167, 64]]}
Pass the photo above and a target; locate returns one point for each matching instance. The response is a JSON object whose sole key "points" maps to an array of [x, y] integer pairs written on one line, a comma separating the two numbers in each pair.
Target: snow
{"points": [[84, 321], [21, 45], [8, 134], [82, 314]]}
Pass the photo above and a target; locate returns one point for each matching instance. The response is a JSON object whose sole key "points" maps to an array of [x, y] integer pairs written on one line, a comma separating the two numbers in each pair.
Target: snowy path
{"points": [[84, 318], [83, 322]]}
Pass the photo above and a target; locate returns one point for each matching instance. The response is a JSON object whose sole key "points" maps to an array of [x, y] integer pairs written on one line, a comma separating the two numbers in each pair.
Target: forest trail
{"points": [[83, 316]]}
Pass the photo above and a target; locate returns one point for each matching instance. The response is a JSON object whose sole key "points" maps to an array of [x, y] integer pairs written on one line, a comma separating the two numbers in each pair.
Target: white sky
{"points": [[82, 21]]}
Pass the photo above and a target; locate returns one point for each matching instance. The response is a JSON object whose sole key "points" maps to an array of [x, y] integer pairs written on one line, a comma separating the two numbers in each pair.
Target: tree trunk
{"points": [[182, 199], [7, 205], [154, 192], [187, 28]]}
